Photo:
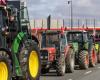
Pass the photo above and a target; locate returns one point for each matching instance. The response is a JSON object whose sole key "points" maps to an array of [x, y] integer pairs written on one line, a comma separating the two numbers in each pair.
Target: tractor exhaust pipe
{"points": [[49, 22]]}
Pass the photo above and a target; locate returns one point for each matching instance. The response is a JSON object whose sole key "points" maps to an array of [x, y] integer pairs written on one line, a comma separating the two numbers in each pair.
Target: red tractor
{"points": [[56, 53]]}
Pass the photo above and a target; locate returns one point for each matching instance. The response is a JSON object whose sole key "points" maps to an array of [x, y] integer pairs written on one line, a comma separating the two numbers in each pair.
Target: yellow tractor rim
{"points": [[33, 64], [3, 71], [97, 46]]}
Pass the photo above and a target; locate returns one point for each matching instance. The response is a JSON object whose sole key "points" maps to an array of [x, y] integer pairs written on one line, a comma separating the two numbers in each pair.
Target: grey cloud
{"points": [[60, 8]]}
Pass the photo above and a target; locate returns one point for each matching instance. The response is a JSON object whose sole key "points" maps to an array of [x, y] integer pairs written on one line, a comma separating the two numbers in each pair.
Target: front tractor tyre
{"points": [[92, 58], [98, 56], [5, 66], [60, 65], [83, 60], [30, 61]]}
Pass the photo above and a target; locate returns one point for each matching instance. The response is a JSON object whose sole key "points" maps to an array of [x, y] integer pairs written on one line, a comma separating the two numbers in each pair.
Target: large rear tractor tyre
{"points": [[92, 58], [29, 58], [60, 65], [83, 60], [70, 63], [5, 66]]}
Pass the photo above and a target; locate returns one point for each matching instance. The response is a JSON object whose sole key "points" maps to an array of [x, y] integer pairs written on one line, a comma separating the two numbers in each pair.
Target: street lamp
{"points": [[70, 2]]}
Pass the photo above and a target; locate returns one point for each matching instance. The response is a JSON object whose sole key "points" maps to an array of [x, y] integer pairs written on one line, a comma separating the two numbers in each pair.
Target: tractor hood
{"points": [[49, 49]]}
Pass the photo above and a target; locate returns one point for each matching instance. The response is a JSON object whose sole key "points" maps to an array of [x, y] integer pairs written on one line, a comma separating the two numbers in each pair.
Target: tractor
{"points": [[97, 46], [56, 53], [83, 44], [19, 52]]}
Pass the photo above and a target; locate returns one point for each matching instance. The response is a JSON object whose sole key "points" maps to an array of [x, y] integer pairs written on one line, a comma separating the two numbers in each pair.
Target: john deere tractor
{"points": [[19, 52], [85, 54]]}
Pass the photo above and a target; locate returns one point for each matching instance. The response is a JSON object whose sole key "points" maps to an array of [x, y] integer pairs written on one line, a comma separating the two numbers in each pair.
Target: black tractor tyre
{"points": [[98, 56], [92, 58], [29, 58], [60, 65], [83, 60], [5, 66], [70, 62]]}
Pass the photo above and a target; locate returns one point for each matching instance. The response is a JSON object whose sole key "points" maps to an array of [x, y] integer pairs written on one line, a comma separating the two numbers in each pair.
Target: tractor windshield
{"points": [[49, 40], [73, 36]]}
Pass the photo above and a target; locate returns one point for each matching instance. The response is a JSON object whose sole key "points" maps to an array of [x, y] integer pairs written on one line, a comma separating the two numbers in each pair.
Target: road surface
{"points": [[89, 74]]}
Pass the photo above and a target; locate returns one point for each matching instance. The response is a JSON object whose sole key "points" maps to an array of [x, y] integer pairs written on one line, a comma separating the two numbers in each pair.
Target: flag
{"points": [[3, 2], [94, 32]]}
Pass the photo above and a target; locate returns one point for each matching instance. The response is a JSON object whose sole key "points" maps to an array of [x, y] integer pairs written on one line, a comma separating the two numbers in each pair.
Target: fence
{"points": [[58, 23]]}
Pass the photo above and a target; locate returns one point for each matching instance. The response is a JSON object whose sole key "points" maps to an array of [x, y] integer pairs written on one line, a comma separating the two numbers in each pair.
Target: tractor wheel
{"points": [[29, 58], [98, 57], [70, 61], [92, 58], [5, 66], [60, 65], [83, 60]]}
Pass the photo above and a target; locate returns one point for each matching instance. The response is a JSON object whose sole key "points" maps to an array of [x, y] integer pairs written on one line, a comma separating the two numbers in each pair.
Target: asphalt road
{"points": [[89, 74]]}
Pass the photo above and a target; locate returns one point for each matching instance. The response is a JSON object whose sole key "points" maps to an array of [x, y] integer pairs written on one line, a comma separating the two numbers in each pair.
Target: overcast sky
{"points": [[61, 9]]}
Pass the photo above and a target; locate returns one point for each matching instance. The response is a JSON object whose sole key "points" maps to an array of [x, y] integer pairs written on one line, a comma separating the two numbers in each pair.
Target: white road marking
{"points": [[87, 72], [99, 67], [69, 79]]}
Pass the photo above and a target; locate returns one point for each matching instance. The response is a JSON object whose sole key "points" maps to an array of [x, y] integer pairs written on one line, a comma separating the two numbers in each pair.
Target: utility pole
{"points": [[71, 12]]}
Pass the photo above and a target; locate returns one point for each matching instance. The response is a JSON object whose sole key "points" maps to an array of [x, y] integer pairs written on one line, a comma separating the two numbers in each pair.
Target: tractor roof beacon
{"points": [[19, 52]]}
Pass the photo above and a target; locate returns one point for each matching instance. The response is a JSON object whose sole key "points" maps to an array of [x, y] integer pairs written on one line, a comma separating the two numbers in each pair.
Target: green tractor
{"points": [[19, 52], [83, 44]]}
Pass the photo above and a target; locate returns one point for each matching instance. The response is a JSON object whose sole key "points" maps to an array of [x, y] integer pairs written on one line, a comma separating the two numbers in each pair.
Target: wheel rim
{"points": [[33, 64], [3, 71]]}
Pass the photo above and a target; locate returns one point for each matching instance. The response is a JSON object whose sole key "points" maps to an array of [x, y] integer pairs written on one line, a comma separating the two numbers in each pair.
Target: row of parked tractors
{"points": [[23, 56], [63, 50]]}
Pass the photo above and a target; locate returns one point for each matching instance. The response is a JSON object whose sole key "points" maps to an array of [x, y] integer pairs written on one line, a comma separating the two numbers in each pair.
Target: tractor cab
{"points": [[53, 39], [52, 44], [78, 38], [3, 25], [13, 19]]}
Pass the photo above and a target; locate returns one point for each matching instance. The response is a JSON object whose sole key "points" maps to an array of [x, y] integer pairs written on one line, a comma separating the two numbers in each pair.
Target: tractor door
{"points": [[43, 40], [3, 26], [63, 42], [86, 40], [73, 39]]}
